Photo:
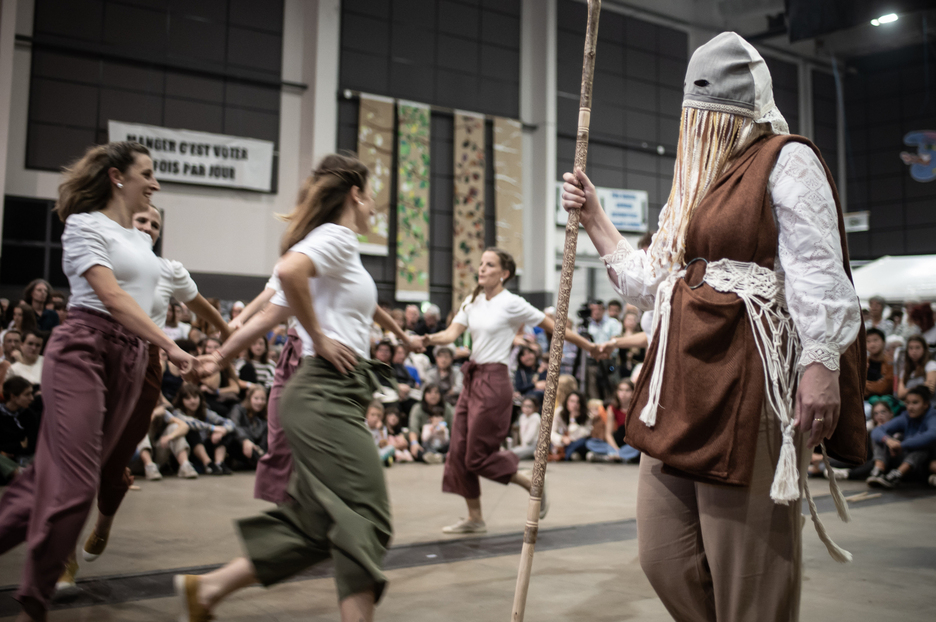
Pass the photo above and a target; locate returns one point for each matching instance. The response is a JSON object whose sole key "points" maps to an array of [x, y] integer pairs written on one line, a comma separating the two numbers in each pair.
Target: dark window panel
{"points": [[612, 28], [132, 77], [198, 116], [570, 47], [252, 96], [887, 243], [859, 245], [823, 85], [77, 19], [669, 131], [376, 8], [641, 181], [51, 64], [889, 136], [641, 65], [347, 138], [670, 100], [413, 45], [256, 50], [418, 13], [884, 84], [673, 43], [197, 39], [442, 129], [24, 221], [826, 136], [606, 177], [159, 5], [21, 264], [824, 111], [671, 72], [608, 88], [411, 82], [129, 107], [458, 19], [641, 126], [500, 29], [365, 34], [607, 120], [919, 212], [440, 268], [57, 276], [500, 98], [457, 53], [195, 87], [456, 90], [886, 189], [641, 95], [569, 77], [500, 63], [567, 115], [364, 72], [266, 15], [47, 103], [251, 123], [921, 240], [606, 155], [914, 189], [210, 10], [138, 29], [641, 35], [572, 15], [511, 7], [642, 162], [610, 59]]}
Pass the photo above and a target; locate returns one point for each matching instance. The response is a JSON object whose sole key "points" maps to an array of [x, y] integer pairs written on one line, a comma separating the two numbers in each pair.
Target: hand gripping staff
{"points": [[562, 313]]}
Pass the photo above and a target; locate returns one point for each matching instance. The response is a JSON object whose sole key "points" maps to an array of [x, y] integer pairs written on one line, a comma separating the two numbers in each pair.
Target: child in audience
{"points": [[375, 422], [918, 369], [572, 428], [168, 432], [14, 428], [906, 443], [610, 445], [249, 442], [880, 375], [397, 435], [208, 429], [435, 433], [529, 422]]}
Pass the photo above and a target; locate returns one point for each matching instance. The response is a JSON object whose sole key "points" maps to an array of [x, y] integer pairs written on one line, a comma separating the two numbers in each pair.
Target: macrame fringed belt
{"points": [[778, 344]]}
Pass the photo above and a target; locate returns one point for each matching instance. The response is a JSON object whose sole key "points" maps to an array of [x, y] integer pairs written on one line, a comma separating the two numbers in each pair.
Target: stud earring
{"points": [[119, 185]]}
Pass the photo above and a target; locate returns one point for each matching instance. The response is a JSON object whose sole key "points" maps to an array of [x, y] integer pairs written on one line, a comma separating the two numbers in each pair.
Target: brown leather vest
{"points": [[713, 384]]}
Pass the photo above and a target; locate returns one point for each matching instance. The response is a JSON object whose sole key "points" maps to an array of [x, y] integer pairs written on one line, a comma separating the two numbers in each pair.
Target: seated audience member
{"points": [[249, 441], [15, 424], [907, 443], [883, 408], [61, 309], [611, 447], [921, 318], [399, 316], [435, 433], [449, 378], [880, 378], [375, 423], [397, 436], [165, 440], [630, 357], [412, 317], [918, 369], [526, 378], [37, 295], [175, 328], [12, 346], [529, 423], [30, 367], [172, 377], [221, 389], [572, 428], [208, 429], [876, 317], [256, 367], [387, 394], [24, 319], [419, 417], [236, 309], [407, 378]]}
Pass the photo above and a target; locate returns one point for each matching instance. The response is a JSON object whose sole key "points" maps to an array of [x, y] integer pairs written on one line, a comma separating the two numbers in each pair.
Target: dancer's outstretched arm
{"points": [[204, 309], [252, 308], [447, 336], [575, 339], [386, 322], [260, 324]]}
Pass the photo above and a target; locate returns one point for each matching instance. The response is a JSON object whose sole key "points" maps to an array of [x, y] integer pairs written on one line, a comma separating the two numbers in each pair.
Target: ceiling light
{"points": [[884, 19]]}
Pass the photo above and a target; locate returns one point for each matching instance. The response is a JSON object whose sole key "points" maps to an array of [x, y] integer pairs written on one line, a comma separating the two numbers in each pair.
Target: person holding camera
{"points": [[601, 328]]}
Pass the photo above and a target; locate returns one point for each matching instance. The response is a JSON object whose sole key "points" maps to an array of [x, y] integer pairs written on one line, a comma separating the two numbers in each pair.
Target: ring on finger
{"points": [[818, 419]]}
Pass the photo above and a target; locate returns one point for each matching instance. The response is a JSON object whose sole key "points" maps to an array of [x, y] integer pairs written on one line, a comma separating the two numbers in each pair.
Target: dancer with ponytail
{"points": [[339, 507], [94, 362], [482, 416], [174, 282]]}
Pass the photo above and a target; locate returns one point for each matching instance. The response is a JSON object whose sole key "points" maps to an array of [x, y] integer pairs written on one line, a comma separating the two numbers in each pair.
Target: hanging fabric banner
{"points": [[375, 149], [412, 279], [508, 186], [468, 242]]}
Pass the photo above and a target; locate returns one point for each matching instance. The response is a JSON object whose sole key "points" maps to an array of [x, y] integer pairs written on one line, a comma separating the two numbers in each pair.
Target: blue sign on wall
{"points": [[627, 209]]}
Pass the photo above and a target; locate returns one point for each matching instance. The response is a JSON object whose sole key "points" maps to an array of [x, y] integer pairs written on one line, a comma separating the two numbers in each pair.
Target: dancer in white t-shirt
{"points": [[339, 507], [482, 417]]}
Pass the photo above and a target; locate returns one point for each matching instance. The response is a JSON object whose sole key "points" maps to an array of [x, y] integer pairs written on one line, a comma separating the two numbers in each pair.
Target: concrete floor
{"points": [[176, 524]]}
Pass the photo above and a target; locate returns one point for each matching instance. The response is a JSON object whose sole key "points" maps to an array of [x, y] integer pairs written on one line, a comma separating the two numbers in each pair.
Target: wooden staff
{"points": [[562, 313]]}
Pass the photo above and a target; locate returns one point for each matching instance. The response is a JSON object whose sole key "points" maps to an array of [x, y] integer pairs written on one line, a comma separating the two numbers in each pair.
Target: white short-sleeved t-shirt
{"points": [[344, 294], [174, 282], [92, 239], [493, 324]]}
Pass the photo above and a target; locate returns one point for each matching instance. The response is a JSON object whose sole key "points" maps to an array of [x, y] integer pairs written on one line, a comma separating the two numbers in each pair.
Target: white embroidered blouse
{"points": [[821, 299]]}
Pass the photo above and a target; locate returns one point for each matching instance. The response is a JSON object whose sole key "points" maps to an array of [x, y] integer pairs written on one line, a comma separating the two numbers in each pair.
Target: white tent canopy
{"points": [[898, 279]]}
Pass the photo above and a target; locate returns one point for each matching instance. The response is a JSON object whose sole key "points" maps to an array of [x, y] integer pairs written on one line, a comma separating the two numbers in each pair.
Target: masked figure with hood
{"points": [[757, 353]]}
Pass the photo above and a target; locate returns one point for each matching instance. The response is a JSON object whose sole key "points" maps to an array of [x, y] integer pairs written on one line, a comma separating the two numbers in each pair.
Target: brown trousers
{"points": [[722, 553], [275, 466], [91, 381], [114, 484], [480, 425]]}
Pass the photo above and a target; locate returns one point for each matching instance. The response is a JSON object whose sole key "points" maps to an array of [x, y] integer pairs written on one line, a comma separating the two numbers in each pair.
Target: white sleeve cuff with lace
{"points": [[632, 275], [825, 353]]}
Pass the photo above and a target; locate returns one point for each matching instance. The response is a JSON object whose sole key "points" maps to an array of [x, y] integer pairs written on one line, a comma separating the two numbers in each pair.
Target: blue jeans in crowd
{"points": [[600, 447]]}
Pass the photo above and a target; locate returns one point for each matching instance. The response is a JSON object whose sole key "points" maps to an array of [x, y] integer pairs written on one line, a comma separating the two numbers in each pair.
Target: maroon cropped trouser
{"points": [[481, 423], [91, 380], [274, 468], [113, 483]]}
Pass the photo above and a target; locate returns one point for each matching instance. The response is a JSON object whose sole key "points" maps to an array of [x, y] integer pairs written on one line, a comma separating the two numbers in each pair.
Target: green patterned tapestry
{"points": [[412, 280], [375, 149], [468, 242]]}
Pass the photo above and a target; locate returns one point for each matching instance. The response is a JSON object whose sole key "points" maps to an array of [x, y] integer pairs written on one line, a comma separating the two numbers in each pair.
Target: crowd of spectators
{"points": [[219, 425]]}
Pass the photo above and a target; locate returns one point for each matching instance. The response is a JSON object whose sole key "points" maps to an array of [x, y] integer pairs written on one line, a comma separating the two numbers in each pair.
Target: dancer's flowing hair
{"points": [[708, 142], [322, 196], [87, 186]]}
